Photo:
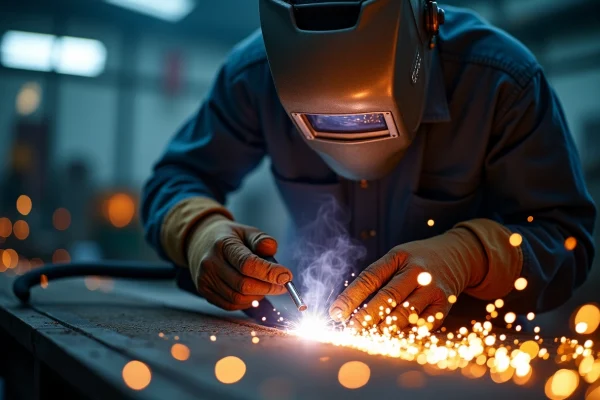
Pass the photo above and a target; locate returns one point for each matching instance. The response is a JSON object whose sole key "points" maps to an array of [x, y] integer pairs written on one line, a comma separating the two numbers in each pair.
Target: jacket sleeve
{"points": [[533, 170], [210, 154]]}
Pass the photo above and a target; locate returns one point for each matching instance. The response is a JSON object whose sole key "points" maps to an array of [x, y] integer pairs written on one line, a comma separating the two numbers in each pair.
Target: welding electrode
{"points": [[294, 294]]}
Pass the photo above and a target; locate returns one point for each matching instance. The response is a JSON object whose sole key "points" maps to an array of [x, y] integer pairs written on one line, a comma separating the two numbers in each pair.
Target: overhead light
{"points": [[27, 50], [42, 52], [169, 10], [77, 56]]}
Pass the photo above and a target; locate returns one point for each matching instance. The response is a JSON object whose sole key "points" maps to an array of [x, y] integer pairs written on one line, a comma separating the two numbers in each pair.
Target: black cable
{"points": [[264, 314], [115, 269]]}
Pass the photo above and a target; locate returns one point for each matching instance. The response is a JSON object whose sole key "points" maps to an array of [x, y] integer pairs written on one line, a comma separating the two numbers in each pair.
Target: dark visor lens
{"points": [[357, 123]]}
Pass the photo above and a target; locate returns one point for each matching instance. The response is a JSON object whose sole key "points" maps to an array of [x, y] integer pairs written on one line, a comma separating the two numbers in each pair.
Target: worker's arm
{"points": [[182, 205], [532, 169]]}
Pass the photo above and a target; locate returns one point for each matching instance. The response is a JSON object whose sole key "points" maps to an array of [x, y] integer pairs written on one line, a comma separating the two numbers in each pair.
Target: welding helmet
{"points": [[352, 75]]}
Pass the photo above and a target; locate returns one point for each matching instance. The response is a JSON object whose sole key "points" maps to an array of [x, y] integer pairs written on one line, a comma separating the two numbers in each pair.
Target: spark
{"points": [[515, 239]]}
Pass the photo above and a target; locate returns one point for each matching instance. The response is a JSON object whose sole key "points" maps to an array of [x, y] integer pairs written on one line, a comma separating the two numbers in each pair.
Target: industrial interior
{"points": [[91, 93]]}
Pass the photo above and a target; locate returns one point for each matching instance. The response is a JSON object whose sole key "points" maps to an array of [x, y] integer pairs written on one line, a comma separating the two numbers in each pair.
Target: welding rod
{"points": [[294, 294]]}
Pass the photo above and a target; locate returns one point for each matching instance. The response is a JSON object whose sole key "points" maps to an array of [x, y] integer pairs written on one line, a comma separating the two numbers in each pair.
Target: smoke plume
{"points": [[325, 255]]}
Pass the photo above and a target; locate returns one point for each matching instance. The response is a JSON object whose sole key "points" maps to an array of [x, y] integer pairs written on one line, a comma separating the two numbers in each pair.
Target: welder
{"points": [[439, 133]]}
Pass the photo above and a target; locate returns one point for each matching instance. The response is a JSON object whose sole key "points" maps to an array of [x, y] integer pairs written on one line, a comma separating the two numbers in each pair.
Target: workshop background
{"points": [[91, 91]]}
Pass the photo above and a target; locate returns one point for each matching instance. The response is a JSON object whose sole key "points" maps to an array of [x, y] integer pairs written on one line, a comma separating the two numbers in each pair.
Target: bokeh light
{"points": [[587, 319], [424, 278], [21, 230], [230, 369], [412, 379], [515, 239], [24, 205], [452, 299], [354, 374], [562, 384], [137, 375], [510, 317], [28, 99], [594, 373], [180, 352], [530, 219], [530, 347], [10, 258], [593, 392], [5, 227], [521, 283], [431, 222], [254, 303], [61, 256], [570, 243], [44, 281], [120, 210], [61, 219]]}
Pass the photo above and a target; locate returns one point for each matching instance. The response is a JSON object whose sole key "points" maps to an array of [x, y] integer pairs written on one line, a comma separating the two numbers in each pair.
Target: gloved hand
{"points": [[457, 261], [225, 262], [224, 257]]}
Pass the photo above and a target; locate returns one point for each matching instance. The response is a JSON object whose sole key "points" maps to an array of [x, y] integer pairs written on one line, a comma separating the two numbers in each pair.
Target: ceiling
{"points": [[226, 21]]}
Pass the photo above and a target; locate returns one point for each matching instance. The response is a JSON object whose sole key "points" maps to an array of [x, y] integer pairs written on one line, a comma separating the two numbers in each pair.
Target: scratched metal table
{"points": [[74, 342]]}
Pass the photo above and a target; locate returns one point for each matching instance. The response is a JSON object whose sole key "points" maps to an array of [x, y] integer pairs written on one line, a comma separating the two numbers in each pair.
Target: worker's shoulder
{"points": [[467, 38], [247, 54]]}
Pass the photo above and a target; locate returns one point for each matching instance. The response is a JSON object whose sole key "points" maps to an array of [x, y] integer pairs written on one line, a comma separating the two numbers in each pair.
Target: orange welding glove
{"points": [[224, 257], [419, 277]]}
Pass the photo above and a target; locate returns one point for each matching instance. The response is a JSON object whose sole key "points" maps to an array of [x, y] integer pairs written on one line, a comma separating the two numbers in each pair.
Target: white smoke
{"points": [[325, 255]]}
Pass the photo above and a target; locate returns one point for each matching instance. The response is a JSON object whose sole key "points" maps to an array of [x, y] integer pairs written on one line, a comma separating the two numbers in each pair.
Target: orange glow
{"points": [[515, 239], [593, 393], [530, 219], [3, 267], [530, 347], [180, 352], [61, 219], [510, 317], [61, 256], [504, 376], [10, 258], [412, 379], [424, 278], [452, 299], [5, 227], [521, 284], [499, 303], [230, 370], [522, 380], [431, 222], [594, 373], [354, 374], [44, 281], [587, 319], [24, 205], [121, 210], [21, 230], [136, 375], [562, 384], [570, 243], [586, 365]]}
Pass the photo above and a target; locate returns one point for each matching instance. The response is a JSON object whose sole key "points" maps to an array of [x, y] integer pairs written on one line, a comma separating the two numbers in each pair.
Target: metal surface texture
{"points": [[102, 330]]}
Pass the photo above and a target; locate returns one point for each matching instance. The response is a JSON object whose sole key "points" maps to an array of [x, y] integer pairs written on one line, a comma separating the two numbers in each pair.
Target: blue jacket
{"points": [[494, 143]]}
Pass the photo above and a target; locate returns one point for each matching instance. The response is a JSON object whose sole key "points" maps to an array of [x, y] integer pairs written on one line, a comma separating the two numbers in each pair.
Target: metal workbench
{"points": [[72, 342]]}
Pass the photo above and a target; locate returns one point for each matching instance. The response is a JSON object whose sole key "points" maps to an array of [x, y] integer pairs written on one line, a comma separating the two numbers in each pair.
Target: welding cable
{"points": [[264, 314]]}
